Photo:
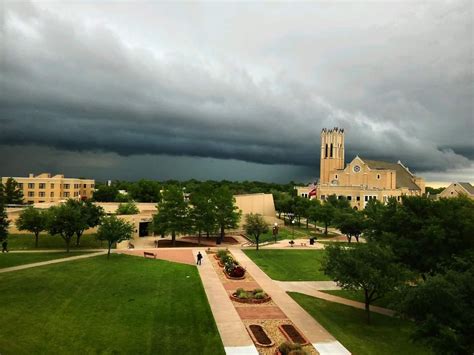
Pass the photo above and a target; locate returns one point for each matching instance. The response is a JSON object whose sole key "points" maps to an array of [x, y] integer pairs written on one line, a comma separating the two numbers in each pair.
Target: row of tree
{"points": [[422, 252], [208, 210], [10, 192]]}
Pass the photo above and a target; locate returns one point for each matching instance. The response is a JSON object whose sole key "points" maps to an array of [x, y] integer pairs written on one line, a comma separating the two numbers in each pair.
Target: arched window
{"points": [[332, 150], [326, 154]]}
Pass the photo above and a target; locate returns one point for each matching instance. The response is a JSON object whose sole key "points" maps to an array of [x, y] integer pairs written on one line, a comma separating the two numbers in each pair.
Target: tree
{"points": [[173, 214], [326, 215], [369, 267], [90, 216], [127, 208], [352, 224], [65, 220], [4, 222], [301, 209], [146, 191], [255, 225], [313, 212], [443, 309], [104, 193], [202, 211], [12, 192], [33, 220], [114, 230], [227, 214]]}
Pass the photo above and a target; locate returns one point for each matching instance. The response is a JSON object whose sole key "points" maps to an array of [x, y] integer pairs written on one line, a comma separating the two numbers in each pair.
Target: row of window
{"points": [[42, 186], [51, 194], [367, 198]]}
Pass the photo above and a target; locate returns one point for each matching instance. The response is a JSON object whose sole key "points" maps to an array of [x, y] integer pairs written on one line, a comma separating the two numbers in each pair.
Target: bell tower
{"points": [[332, 152]]}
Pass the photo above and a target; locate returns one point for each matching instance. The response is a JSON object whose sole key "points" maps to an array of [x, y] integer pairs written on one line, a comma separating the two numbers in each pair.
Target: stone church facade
{"points": [[362, 179]]}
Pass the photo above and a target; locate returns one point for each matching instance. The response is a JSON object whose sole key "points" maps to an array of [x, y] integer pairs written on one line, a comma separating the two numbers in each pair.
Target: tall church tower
{"points": [[332, 152]]}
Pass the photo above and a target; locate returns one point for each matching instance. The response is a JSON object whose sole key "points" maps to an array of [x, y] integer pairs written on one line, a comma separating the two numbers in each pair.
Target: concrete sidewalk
{"points": [[307, 286], [310, 289], [321, 339], [50, 262], [233, 333]]}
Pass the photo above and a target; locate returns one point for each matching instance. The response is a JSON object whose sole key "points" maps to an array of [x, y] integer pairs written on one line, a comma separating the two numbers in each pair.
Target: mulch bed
{"points": [[227, 239], [292, 334], [259, 335], [250, 300]]}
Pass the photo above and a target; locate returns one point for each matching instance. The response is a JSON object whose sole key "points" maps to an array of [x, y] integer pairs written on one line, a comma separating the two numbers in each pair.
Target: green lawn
{"points": [[290, 265], [359, 296], [386, 335], [14, 259], [47, 241], [125, 305]]}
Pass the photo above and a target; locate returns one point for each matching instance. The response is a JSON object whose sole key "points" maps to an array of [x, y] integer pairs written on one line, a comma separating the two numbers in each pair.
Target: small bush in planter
{"points": [[288, 348], [221, 253], [257, 290], [227, 259], [237, 271], [260, 295]]}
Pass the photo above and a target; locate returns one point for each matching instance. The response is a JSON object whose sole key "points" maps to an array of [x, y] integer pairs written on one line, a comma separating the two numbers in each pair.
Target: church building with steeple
{"points": [[362, 179]]}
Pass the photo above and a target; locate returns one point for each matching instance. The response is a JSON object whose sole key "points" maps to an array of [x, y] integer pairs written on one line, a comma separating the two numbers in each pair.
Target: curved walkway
{"points": [[310, 289]]}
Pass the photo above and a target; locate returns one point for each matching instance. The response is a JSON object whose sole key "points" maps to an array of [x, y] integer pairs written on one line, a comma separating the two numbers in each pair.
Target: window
{"points": [[42, 185], [51, 194], [92, 186], [20, 185], [85, 185], [31, 194], [30, 202], [323, 197], [349, 198], [52, 186], [76, 194], [41, 194], [358, 198], [366, 198], [378, 176], [66, 194], [67, 186], [335, 176], [40, 201], [31, 185]]}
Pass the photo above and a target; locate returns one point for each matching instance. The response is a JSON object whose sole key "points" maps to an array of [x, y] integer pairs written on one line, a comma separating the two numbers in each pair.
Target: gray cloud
{"points": [[211, 81]]}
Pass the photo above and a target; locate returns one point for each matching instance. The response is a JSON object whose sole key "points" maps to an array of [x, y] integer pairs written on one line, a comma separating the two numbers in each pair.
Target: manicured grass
{"points": [[290, 265], [47, 241], [359, 296], [385, 335], [14, 259], [125, 305]]}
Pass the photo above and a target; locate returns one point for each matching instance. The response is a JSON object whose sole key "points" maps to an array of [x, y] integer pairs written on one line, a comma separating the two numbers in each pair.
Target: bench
{"points": [[303, 244], [149, 255]]}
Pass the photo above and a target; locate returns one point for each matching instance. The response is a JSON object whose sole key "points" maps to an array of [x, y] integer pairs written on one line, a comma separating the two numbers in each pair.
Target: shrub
{"points": [[227, 259], [260, 295], [257, 290], [243, 295], [221, 253], [237, 271], [288, 348], [239, 290]]}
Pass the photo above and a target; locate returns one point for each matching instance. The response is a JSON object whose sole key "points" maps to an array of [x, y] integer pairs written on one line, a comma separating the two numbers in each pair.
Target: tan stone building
{"points": [[456, 189], [46, 188], [362, 179]]}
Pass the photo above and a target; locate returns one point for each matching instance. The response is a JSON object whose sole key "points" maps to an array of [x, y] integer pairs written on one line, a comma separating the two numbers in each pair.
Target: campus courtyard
{"points": [[82, 301]]}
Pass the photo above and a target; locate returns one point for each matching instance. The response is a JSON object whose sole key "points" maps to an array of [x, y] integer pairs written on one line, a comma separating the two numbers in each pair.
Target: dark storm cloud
{"points": [[134, 85]]}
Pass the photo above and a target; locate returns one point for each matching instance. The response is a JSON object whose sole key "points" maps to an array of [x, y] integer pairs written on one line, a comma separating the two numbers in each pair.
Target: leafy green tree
{"points": [[340, 203], [127, 208], [226, 212], [352, 224], [146, 191], [12, 192], [104, 193], [301, 209], [369, 267], [443, 309], [32, 220], [313, 212], [255, 226], [4, 222], [65, 220], [202, 212], [326, 214], [114, 230], [173, 214], [90, 215]]}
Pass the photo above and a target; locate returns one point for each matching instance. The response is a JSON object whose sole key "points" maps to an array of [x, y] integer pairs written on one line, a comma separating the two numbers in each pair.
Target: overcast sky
{"points": [[125, 90]]}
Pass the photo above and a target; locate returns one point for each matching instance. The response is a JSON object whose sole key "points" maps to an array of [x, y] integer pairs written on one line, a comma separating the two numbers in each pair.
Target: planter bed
{"points": [[233, 297], [292, 334], [259, 335], [234, 278]]}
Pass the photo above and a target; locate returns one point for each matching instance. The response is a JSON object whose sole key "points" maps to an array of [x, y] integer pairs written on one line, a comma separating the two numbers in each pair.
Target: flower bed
{"points": [[292, 334], [289, 348], [259, 335], [256, 296]]}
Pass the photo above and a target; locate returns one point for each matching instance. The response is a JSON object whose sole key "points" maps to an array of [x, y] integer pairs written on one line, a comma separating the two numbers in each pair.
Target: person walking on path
{"points": [[5, 247], [199, 258]]}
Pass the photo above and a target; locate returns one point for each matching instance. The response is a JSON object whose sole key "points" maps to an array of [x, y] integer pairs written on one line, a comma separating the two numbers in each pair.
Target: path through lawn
{"points": [[15, 259]]}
